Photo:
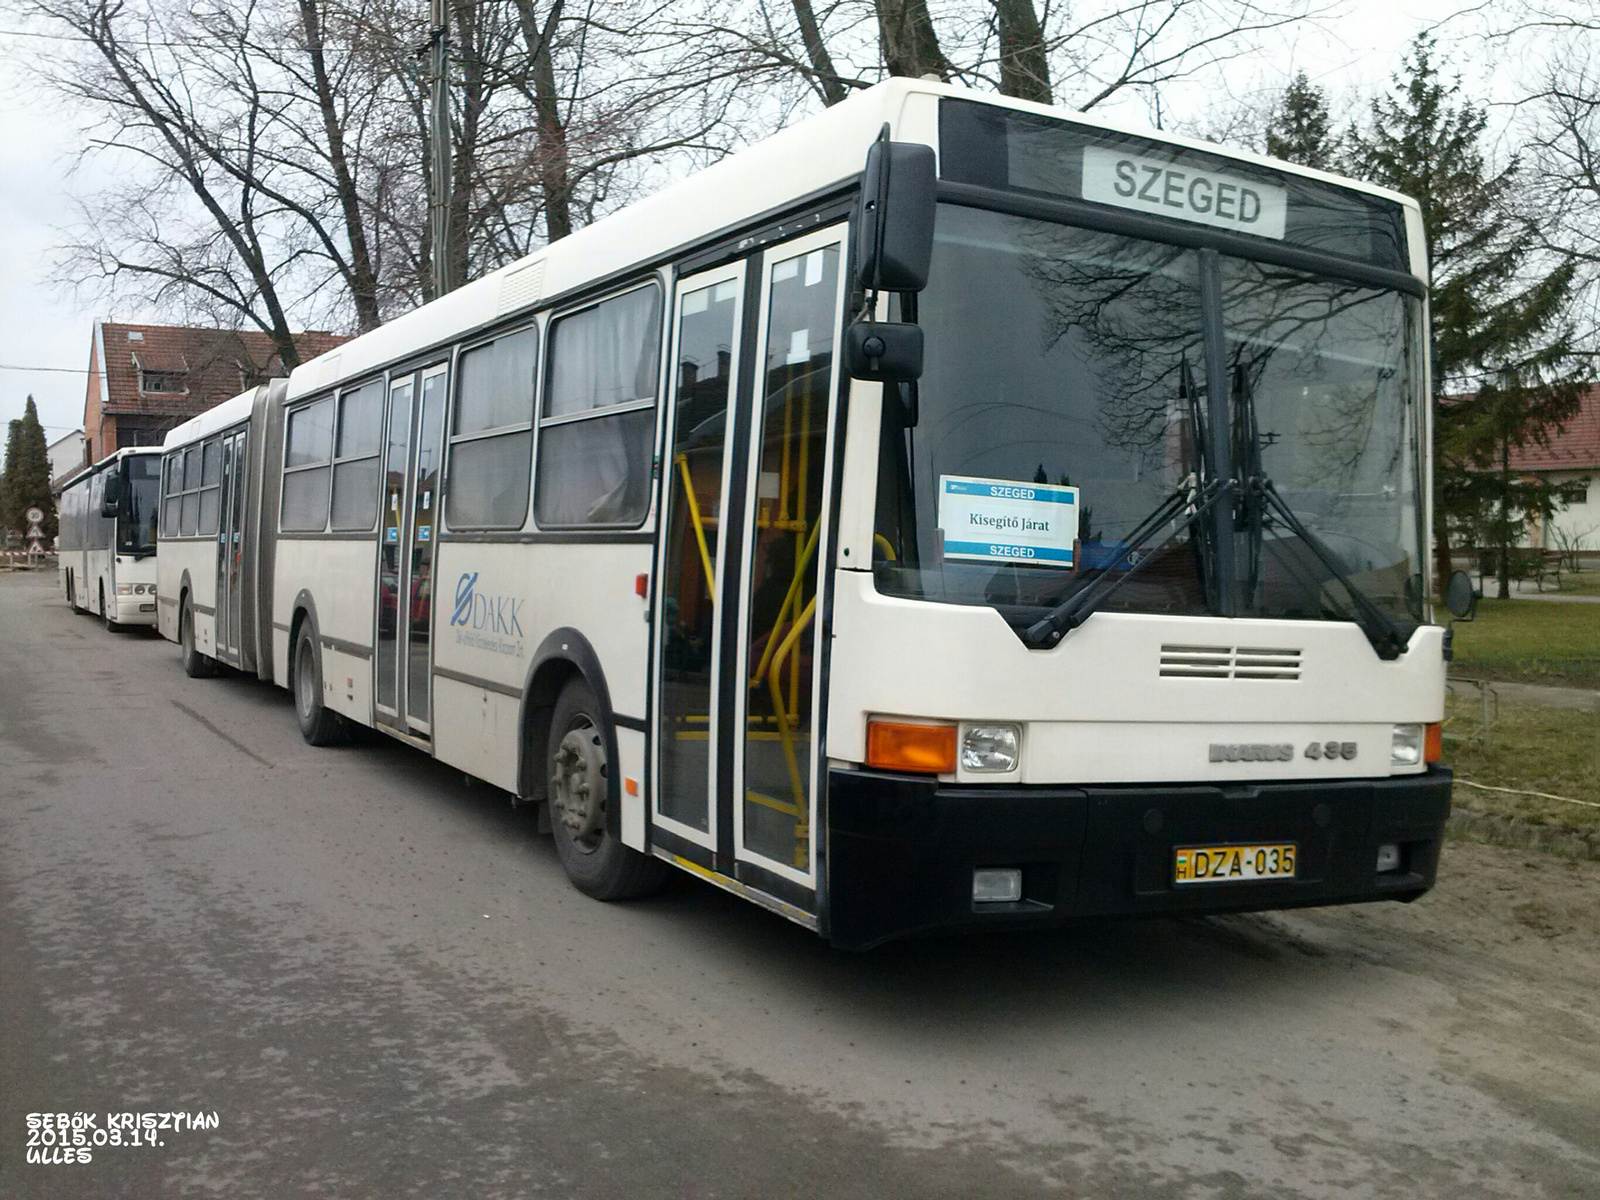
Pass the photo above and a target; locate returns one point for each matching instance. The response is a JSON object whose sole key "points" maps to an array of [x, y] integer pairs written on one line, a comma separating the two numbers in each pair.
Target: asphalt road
{"points": [[375, 974]]}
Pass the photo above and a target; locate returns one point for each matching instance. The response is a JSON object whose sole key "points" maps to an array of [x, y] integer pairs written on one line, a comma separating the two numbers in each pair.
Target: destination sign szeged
{"points": [[1176, 189]]}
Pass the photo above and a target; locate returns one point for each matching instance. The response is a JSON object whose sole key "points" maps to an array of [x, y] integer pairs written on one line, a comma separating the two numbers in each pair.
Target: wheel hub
{"points": [[578, 786]]}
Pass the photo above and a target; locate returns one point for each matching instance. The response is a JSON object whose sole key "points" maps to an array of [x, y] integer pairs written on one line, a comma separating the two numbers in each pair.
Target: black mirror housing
{"points": [[1459, 597], [883, 351], [111, 498], [894, 217]]}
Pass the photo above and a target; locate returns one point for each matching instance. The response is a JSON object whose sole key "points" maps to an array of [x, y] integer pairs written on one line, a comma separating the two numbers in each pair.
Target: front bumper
{"points": [[902, 848], [135, 610]]}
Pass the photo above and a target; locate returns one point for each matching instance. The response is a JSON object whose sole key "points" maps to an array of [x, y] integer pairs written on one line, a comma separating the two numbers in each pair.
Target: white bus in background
{"points": [[1028, 525], [107, 538]]}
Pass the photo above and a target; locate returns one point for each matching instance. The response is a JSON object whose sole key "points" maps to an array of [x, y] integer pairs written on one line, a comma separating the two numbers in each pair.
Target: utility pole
{"points": [[439, 166]]}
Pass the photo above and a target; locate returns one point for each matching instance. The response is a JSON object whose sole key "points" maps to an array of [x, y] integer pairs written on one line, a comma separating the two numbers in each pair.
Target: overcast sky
{"points": [[42, 326]]}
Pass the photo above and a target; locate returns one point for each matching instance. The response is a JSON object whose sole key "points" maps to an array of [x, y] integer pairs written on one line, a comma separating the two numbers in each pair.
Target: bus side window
{"points": [[210, 487], [189, 515], [597, 433], [307, 455], [491, 434], [172, 501], [355, 465]]}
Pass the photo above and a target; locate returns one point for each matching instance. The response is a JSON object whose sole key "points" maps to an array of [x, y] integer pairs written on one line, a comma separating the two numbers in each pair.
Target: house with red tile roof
{"points": [[145, 379], [1572, 462]]}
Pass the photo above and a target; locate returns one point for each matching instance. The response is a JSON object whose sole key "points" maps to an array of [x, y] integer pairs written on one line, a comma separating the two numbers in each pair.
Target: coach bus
{"points": [[107, 538], [951, 513]]}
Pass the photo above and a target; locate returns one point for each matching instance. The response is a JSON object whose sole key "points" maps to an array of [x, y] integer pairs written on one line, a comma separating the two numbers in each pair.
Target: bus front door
{"points": [[689, 614], [745, 533], [403, 659]]}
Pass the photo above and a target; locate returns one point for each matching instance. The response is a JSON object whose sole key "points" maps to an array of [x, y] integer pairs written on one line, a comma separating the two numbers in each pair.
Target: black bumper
{"points": [[902, 848]]}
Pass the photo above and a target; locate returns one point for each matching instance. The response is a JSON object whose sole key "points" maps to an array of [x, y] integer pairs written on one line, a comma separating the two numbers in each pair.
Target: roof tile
{"points": [[217, 364]]}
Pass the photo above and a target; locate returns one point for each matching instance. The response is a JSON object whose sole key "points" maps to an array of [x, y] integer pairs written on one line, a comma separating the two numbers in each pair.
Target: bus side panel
{"points": [[338, 575], [494, 605], [197, 556]]}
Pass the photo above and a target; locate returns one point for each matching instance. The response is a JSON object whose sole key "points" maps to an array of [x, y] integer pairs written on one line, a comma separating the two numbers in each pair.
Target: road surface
{"points": [[374, 973]]}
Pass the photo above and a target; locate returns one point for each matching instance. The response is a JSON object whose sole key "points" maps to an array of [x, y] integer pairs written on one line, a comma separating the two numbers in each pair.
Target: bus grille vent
{"points": [[1229, 662]]}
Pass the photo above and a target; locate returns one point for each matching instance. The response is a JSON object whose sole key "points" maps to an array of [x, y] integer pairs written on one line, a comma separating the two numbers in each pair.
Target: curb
{"points": [[1470, 825]]}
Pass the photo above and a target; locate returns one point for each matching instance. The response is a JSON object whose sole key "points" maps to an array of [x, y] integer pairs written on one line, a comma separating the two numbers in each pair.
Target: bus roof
{"points": [[813, 155], [229, 412]]}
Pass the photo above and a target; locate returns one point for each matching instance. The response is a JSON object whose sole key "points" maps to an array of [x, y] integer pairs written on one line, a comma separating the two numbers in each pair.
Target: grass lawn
{"points": [[1536, 641], [1585, 583], [1555, 750]]}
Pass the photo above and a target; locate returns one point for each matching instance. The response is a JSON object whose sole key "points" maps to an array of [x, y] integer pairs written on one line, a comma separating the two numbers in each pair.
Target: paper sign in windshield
{"points": [[1002, 520]]}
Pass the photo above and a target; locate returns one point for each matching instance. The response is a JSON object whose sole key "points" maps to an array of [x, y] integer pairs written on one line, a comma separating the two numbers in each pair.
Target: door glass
{"points": [[790, 436], [424, 519], [390, 531], [225, 549], [241, 474], [703, 372]]}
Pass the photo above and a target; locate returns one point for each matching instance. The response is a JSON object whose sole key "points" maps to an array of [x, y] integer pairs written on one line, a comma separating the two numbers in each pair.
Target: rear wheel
{"points": [[319, 725], [106, 619], [580, 785], [195, 664]]}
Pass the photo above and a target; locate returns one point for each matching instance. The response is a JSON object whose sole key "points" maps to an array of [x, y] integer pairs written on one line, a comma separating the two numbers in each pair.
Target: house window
{"points": [[1575, 493], [169, 382]]}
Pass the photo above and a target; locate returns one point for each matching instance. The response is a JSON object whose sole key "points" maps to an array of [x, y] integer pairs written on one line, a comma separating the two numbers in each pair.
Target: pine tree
{"points": [[1300, 129], [10, 515], [1505, 370], [26, 480]]}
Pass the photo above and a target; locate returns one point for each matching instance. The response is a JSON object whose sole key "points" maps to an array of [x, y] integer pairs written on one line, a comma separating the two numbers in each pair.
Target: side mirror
{"points": [[894, 217], [883, 351], [1459, 597], [111, 498]]}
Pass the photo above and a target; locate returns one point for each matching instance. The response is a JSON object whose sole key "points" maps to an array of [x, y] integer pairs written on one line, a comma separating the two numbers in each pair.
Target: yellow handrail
{"points": [[699, 528], [775, 687], [788, 599]]}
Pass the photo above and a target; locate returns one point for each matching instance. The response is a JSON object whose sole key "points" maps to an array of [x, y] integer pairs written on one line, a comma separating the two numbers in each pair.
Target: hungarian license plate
{"points": [[1233, 864]]}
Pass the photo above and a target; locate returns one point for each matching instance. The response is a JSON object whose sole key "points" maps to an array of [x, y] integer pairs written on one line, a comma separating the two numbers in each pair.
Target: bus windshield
{"points": [[136, 523], [1064, 399]]}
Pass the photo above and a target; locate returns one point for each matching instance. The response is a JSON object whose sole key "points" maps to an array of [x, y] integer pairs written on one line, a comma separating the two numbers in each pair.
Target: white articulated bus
{"points": [[1028, 525], [107, 538]]}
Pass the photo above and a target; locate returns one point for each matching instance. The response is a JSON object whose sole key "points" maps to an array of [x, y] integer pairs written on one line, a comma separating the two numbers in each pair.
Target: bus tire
{"points": [[597, 864], [195, 664], [319, 725], [106, 618]]}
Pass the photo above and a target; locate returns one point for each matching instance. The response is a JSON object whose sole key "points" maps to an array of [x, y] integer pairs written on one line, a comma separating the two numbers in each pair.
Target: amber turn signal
{"points": [[1432, 741], [908, 746]]}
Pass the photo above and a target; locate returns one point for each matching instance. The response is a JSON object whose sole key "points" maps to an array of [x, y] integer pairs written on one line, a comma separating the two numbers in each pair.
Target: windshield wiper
{"points": [[1078, 607], [1382, 630], [1257, 491]]}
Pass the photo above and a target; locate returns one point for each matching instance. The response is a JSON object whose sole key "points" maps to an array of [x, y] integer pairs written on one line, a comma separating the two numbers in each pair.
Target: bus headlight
{"points": [[990, 747], [1405, 750]]}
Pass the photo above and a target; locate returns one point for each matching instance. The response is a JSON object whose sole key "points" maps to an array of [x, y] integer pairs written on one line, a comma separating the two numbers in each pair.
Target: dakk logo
{"points": [[492, 614]]}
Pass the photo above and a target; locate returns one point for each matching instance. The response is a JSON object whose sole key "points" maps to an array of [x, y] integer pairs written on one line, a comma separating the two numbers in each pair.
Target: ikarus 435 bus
{"points": [[951, 513]]}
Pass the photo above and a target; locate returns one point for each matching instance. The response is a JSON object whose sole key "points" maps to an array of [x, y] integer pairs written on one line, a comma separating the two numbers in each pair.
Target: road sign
{"points": [[34, 531], [35, 547], [34, 515]]}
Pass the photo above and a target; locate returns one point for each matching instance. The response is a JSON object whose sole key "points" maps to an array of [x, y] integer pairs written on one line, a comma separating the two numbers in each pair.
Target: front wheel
{"points": [[106, 619], [580, 785], [195, 664], [319, 725]]}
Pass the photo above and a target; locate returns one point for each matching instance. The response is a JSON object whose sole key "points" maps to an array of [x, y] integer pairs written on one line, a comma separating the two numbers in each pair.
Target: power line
{"points": [[63, 370]]}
